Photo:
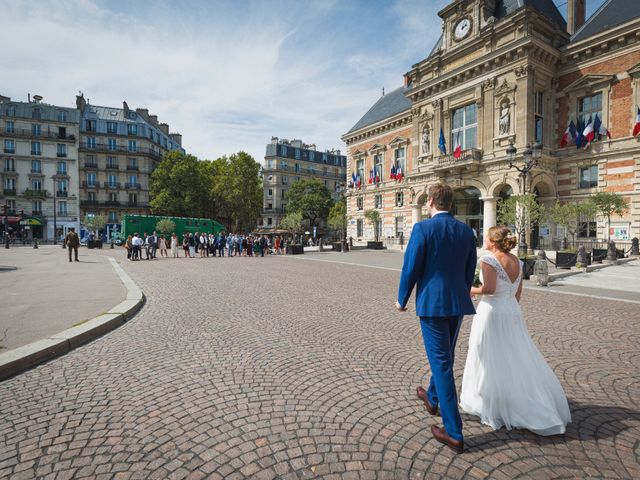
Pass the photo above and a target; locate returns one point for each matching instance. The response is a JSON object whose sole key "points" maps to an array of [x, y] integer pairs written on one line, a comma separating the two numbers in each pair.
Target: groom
{"points": [[441, 259]]}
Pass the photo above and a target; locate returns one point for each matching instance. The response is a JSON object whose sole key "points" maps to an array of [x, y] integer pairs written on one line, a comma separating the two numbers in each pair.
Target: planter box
{"points": [[337, 247], [295, 250], [600, 254], [566, 259], [375, 245], [94, 244], [527, 267]]}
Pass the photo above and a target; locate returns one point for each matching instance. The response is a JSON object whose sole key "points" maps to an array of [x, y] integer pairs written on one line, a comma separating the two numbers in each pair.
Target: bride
{"points": [[506, 380]]}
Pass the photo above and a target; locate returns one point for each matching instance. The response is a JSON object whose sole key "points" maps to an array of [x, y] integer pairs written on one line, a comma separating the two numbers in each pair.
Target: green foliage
{"points": [[607, 204], [521, 211], [374, 218], [311, 198], [569, 215], [292, 222], [236, 191], [166, 226], [95, 222], [338, 215], [180, 186]]}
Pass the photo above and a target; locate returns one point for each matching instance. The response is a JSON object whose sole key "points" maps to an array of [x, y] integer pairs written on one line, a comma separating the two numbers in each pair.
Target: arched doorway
{"points": [[467, 207]]}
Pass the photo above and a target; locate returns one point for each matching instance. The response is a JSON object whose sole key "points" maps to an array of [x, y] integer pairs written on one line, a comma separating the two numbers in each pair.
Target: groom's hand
{"points": [[400, 307]]}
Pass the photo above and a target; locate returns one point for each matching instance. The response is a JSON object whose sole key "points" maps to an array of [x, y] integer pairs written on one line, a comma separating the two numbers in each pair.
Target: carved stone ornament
{"points": [[437, 103], [426, 140], [415, 111], [523, 71], [505, 118], [413, 194], [489, 83], [505, 87]]}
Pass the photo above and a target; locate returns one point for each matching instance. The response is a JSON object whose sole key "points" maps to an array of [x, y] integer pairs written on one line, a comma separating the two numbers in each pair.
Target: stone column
{"points": [[416, 214], [489, 213]]}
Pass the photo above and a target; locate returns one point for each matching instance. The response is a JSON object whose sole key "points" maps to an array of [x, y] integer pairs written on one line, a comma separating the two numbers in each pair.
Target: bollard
{"points": [[35, 243], [612, 255], [541, 269], [635, 248], [581, 258]]}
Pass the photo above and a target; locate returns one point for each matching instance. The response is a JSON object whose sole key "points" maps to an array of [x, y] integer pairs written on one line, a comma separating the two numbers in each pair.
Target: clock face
{"points": [[462, 29]]}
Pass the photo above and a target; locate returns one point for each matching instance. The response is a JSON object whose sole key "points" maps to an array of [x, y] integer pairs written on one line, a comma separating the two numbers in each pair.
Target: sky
{"points": [[227, 75]]}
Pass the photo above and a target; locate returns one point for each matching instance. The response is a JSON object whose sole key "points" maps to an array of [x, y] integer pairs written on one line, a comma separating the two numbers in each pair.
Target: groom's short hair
{"points": [[442, 196]]}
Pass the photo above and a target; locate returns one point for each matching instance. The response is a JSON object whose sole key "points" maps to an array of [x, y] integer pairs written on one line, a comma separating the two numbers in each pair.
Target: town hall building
{"points": [[500, 87]]}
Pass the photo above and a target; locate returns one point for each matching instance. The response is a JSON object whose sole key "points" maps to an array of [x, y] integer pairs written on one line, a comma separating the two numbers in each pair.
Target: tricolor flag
{"points": [[370, 176], [399, 173], [392, 175], [589, 133], [457, 151], [636, 127], [442, 144], [579, 137], [359, 181], [354, 178], [569, 134], [600, 129], [376, 174]]}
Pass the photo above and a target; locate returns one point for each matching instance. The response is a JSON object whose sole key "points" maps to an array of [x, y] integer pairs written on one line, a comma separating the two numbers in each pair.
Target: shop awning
{"points": [[33, 221]]}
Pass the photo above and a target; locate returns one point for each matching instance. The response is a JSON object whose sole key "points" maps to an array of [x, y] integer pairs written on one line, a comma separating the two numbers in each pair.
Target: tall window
{"points": [[539, 117], [91, 142], [111, 144], [62, 208], [36, 207], [62, 188], [9, 165], [113, 180], [112, 127], [36, 166], [587, 227], [270, 193], [11, 127], [132, 163], [133, 198], [11, 111], [360, 170], [359, 227], [36, 113], [91, 179], [35, 148], [133, 146], [9, 146], [61, 150], [61, 168], [399, 199], [359, 203], [133, 180], [399, 159], [588, 107], [92, 196], [399, 226], [90, 125], [588, 177], [36, 185], [377, 161], [62, 116], [10, 184], [378, 201], [465, 127], [113, 217], [112, 162], [132, 129], [36, 129]]}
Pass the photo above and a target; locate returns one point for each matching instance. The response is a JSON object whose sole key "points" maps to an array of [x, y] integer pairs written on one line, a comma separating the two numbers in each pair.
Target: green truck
{"points": [[147, 223]]}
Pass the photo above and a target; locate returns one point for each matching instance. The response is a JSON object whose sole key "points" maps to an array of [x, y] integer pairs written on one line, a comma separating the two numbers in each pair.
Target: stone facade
{"points": [[39, 168], [502, 73], [287, 162], [119, 149]]}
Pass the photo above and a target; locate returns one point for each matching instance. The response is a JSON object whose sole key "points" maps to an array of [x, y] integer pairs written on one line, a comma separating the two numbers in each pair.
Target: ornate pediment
{"points": [[634, 71], [376, 148], [505, 88], [398, 141], [591, 81], [358, 153]]}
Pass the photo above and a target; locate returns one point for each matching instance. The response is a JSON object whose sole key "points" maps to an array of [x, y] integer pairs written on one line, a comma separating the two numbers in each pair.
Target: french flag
{"points": [[569, 134], [370, 177], [392, 175], [399, 174], [636, 127], [600, 129], [354, 178], [588, 133], [457, 151], [359, 182], [377, 174]]}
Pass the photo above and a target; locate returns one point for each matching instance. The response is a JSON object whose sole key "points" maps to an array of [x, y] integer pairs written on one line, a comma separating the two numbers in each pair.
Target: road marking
{"points": [[541, 289]]}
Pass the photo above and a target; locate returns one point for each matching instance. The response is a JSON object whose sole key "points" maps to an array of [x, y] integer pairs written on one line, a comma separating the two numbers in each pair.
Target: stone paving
{"points": [[287, 368]]}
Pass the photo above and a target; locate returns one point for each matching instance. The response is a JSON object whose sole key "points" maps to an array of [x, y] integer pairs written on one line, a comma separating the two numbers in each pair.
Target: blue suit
{"points": [[441, 260]]}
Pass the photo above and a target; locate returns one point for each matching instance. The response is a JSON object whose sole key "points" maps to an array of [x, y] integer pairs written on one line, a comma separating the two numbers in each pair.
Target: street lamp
{"points": [[530, 158], [342, 190], [55, 218]]}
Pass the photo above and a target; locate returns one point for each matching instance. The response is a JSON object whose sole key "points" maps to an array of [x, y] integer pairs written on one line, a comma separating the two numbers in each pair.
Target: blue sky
{"points": [[226, 74]]}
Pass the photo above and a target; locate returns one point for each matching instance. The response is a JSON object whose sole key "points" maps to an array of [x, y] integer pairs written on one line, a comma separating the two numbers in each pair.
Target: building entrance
{"points": [[467, 207]]}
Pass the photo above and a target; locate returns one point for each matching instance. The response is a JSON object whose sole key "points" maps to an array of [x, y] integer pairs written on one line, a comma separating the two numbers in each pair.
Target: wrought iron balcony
{"points": [[28, 133], [61, 154], [62, 193], [134, 168], [133, 186], [9, 191], [469, 157], [112, 185], [90, 165], [86, 184], [35, 193], [112, 166], [88, 203]]}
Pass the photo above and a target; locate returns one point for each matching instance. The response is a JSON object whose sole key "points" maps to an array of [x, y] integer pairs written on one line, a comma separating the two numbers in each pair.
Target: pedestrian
{"points": [[147, 247], [128, 244], [137, 246], [230, 245], [192, 245], [263, 245], [153, 244], [174, 245], [185, 245], [277, 245], [72, 242], [222, 241], [441, 260], [162, 246], [250, 245]]}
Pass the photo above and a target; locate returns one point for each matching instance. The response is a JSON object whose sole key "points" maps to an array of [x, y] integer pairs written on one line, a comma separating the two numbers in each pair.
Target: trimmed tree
{"points": [[95, 223], [165, 226], [374, 218], [292, 222], [520, 211], [607, 204]]}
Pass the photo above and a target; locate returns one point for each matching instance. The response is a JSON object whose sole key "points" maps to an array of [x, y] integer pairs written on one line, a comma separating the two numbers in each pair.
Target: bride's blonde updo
{"points": [[502, 237]]}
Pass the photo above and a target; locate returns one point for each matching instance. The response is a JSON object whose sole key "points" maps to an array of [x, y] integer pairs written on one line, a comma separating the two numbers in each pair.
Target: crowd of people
{"points": [[202, 245]]}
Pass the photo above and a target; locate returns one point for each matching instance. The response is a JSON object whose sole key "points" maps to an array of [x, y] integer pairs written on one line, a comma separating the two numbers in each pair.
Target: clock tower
{"points": [[463, 20]]}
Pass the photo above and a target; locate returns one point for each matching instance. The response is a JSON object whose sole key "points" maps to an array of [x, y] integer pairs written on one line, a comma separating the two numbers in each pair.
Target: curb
{"points": [[591, 268], [22, 358]]}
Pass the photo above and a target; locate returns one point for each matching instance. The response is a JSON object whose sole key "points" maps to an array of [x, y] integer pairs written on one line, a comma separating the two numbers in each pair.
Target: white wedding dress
{"points": [[506, 380]]}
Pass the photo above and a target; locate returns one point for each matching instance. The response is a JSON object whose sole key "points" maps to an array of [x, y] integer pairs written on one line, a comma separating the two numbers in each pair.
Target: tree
{"points": [[292, 222], [311, 198], [236, 191], [567, 215], [181, 186], [607, 204], [95, 223], [166, 226], [338, 215], [521, 211], [374, 218]]}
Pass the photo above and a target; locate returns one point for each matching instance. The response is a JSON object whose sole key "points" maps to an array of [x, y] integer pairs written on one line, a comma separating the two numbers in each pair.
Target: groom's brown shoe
{"points": [[442, 436], [422, 395]]}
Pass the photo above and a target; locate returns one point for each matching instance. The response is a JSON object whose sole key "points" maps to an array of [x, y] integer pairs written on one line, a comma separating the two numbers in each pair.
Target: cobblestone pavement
{"points": [[287, 368]]}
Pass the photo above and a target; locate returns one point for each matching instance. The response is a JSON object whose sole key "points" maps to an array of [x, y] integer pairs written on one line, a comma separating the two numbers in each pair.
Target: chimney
{"points": [[153, 119], [143, 112], [125, 107], [177, 137], [576, 15], [165, 128]]}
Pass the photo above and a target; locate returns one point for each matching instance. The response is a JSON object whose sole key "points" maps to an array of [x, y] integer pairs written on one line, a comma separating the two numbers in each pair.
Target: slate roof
{"points": [[387, 106], [545, 7], [111, 114], [610, 14]]}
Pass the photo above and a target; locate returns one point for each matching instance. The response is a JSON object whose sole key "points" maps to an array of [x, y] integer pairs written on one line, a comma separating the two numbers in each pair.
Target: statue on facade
{"points": [[426, 141], [505, 119]]}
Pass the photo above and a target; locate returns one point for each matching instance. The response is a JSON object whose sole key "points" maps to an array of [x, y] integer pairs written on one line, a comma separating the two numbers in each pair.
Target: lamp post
{"points": [[342, 190], [530, 158], [55, 218], [6, 225]]}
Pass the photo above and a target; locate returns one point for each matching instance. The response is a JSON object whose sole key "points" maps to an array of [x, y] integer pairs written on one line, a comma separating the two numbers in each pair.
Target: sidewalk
{"points": [[46, 294]]}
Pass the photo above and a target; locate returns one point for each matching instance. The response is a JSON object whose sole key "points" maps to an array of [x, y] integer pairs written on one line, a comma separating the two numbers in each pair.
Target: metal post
{"points": [[6, 226], [55, 218]]}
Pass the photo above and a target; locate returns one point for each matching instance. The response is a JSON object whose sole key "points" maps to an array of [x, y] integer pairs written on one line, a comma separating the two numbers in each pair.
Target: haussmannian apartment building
{"points": [[118, 150], [506, 72], [287, 162], [39, 168]]}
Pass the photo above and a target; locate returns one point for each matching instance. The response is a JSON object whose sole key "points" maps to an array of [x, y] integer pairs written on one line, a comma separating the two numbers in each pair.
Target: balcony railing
{"points": [[35, 193], [9, 150], [36, 152], [111, 184], [9, 191], [88, 203], [133, 186], [36, 171], [90, 184], [61, 154], [112, 203], [62, 173], [134, 168], [112, 166], [468, 157], [102, 147], [62, 193], [90, 165], [23, 132], [9, 169], [36, 212]]}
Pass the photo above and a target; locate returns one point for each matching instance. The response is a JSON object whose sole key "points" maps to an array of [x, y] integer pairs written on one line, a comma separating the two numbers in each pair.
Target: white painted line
{"points": [[347, 263], [575, 294]]}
